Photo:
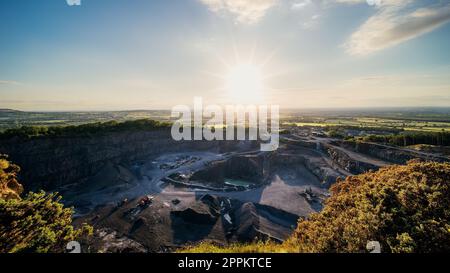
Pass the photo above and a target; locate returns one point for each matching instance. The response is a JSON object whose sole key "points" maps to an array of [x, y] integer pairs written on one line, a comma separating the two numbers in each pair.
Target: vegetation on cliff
{"points": [[405, 208], [9, 186], [36, 223], [84, 129]]}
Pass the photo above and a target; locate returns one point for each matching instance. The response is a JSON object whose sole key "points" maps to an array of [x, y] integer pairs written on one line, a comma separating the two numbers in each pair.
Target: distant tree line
{"points": [[397, 137], [340, 131], [407, 139], [84, 129], [364, 128]]}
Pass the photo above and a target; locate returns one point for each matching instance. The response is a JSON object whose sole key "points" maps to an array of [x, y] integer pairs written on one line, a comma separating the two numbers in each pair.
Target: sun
{"points": [[245, 83]]}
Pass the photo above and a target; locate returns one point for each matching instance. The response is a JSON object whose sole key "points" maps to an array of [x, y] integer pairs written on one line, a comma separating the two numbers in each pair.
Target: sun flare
{"points": [[245, 83]]}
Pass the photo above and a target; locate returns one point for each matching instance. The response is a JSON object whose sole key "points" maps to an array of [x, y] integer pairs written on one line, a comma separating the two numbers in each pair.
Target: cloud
{"points": [[301, 4], [245, 11], [373, 2], [73, 2], [312, 22], [9, 82], [395, 22]]}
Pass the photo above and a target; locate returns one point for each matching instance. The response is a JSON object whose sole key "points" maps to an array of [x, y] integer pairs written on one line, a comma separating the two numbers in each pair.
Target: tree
{"points": [[36, 223]]}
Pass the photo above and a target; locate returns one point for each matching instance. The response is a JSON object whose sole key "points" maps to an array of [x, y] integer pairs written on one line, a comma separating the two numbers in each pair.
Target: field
{"points": [[429, 120], [16, 119], [407, 121]]}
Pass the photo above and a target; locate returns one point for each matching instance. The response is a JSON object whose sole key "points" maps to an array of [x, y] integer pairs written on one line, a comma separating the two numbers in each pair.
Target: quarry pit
{"points": [[144, 192]]}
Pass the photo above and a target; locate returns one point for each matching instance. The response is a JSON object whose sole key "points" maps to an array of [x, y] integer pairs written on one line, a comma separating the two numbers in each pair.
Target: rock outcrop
{"points": [[347, 162], [10, 188], [253, 168]]}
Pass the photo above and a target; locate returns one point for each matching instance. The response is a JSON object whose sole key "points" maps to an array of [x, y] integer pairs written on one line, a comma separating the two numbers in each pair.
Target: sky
{"points": [[71, 55]]}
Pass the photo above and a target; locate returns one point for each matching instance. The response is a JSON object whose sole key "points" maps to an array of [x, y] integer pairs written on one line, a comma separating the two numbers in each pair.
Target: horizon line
{"points": [[281, 109]]}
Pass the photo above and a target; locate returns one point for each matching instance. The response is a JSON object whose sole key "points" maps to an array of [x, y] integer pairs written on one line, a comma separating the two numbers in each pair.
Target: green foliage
{"points": [[405, 208], [84, 130], [376, 138], [363, 128], [36, 223], [335, 134], [391, 136]]}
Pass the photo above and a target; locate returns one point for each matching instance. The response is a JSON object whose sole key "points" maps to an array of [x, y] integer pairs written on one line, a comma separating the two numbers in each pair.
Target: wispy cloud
{"points": [[311, 22], [395, 22], [245, 11], [301, 4], [73, 2], [9, 82]]}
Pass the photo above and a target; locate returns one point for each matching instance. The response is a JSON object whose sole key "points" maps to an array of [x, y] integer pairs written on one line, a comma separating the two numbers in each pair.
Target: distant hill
{"points": [[9, 111]]}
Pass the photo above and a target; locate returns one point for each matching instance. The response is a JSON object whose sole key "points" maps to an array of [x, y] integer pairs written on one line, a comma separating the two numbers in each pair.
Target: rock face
{"points": [[247, 223], [204, 213], [322, 171], [110, 175], [49, 163], [253, 168], [214, 173], [391, 154], [348, 163], [311, 159], [251, 224]]}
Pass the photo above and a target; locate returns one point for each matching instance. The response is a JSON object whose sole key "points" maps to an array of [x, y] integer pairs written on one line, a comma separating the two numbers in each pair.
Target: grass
{"points": [[260, 247], [311, 124]]}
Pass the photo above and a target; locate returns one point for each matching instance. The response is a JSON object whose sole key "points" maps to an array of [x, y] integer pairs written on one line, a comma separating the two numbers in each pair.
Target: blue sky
{"points": [[150, 54]]}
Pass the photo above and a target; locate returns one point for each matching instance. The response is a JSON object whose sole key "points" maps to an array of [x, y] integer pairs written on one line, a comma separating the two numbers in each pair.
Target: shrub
{"points": [[405, 208], [36, 223]]}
